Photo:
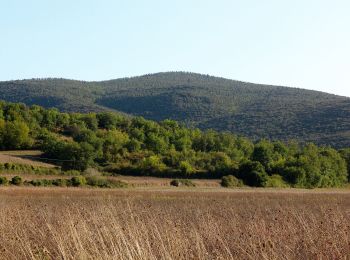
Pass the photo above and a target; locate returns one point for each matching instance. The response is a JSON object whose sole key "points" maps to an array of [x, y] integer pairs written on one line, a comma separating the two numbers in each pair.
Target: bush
{"points": [[276, 181], [45, 182], [182, 182], [60, 182], [231, 181], [17, 180], [96, 181], [78, 181], [8, 166], [175, 183], [3, 180], [40, 182], [72, 173], [253, 174]]}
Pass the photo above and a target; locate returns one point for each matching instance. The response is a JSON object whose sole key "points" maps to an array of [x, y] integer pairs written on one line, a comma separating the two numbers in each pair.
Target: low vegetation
{"points": [[28, 169], [135, 146], [231, 181], [182, 182], [76, 181]]}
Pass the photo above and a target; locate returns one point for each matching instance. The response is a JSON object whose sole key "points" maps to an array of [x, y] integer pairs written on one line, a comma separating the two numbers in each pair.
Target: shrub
{"points": [[78, 181], [231, 181], [96, 181], [175, 183], [60, 182], [253, 174], [3, 180], [182, 182], [17, 180], [35, 182], [276, 181], [40, 182], [8, 166], [72, 173]]}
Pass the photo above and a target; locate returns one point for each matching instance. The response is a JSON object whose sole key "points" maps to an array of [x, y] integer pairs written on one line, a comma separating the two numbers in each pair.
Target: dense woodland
{"points": [[136, 146], [252, 110]]}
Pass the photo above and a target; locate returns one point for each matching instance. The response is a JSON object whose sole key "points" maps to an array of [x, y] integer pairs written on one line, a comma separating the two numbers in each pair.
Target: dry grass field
{"points": [[173, 223]]}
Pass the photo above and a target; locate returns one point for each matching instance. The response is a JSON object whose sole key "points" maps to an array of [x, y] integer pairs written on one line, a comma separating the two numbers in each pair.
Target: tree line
{"points": [[136, 146]]}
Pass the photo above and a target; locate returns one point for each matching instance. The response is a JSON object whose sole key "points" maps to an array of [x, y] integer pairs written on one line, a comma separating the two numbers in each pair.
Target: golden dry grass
{"points": [[68, 223]]}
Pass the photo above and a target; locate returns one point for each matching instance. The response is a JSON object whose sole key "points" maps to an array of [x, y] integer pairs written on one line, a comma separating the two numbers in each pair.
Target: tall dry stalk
{"points": [[95, 224]]}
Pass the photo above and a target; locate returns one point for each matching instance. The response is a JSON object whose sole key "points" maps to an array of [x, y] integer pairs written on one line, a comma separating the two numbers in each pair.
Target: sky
{"points": [[296, 43]]}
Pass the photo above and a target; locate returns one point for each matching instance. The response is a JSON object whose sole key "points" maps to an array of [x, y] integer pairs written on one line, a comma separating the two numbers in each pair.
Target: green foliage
{"points": [[276, 181], [315, 167], [97, 181], [107, 120], [72, 173], [60, 182], [41, 182], [14, 135], [16, 180], [345, 154], [253, 174], [231, 181], [186, 168], [78, 181], [29, 169], [92, 181], [72, 155], [152, 165], [3, 180]]}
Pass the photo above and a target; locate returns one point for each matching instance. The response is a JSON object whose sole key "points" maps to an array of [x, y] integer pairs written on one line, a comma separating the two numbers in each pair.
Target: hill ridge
{"points": [[250, 109]]}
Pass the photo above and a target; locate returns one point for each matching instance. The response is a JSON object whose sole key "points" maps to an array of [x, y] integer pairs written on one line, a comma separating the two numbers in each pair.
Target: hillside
{"points": [[253, 110]]}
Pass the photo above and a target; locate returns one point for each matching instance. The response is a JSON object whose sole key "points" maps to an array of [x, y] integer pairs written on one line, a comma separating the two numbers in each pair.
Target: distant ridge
{"points": [[253, 110]]}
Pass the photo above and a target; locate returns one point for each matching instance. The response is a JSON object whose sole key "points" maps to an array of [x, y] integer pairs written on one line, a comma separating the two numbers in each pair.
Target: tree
{"points": [[156, 143], [2, 133], [253, 174], [345, 153], [186, 168], [91, 121], [315, 167], [221, 164], [107, 120], [264, 153], [77, 156], [114, 142], [16, 135], [152, 165]]}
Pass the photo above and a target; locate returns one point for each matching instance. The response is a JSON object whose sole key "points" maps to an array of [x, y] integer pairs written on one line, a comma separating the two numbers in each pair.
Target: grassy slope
{"points": [[252, 110], [24, 157]]}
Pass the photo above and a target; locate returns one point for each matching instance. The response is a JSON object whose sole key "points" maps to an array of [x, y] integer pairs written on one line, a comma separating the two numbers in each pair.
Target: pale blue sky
{"points": [[299, 43]]}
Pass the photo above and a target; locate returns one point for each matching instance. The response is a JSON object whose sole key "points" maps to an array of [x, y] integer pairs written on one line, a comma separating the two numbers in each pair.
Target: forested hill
{"points": [[253, 110]]}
